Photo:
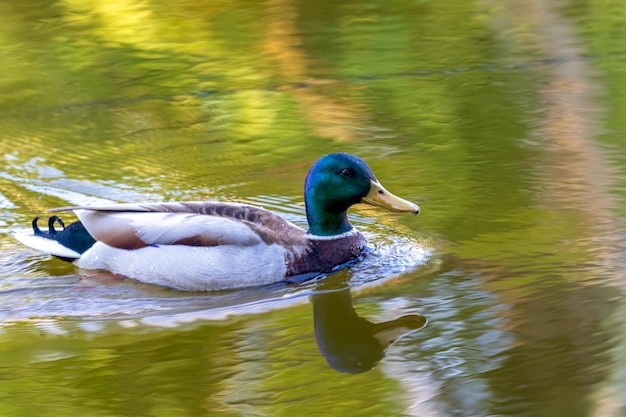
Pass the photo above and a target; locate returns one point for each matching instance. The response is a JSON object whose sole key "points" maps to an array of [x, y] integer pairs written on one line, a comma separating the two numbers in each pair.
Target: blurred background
{"points": [[504, 121]]}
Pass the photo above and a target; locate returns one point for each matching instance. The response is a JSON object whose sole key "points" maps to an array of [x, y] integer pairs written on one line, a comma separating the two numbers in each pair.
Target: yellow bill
{"points": [[380, 197]]}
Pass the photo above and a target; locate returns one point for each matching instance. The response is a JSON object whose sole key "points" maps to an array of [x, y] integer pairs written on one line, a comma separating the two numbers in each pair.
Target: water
{"points": [[504, 122]]}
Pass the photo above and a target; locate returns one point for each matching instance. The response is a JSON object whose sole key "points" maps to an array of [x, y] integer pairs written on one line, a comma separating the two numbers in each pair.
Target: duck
{"points": [[214, 245]]}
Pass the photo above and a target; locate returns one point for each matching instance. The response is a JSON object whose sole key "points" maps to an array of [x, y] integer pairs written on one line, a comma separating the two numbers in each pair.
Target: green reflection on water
{"points": [[190, 100]]}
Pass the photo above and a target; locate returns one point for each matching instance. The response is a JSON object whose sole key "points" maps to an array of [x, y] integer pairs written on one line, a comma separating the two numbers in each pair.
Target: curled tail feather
{"points": [[67, 244]]}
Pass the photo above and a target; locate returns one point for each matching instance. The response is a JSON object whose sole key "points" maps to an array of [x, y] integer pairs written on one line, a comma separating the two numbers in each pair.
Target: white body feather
{"points": [[195, 268], [238, 257]]}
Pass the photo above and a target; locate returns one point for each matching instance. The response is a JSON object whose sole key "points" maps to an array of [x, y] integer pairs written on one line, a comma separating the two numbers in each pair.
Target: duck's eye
{"points": [[346, 172]]}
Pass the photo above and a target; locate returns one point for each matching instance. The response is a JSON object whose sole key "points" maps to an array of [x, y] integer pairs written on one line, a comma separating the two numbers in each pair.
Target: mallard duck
{"points": [[211, 245]]}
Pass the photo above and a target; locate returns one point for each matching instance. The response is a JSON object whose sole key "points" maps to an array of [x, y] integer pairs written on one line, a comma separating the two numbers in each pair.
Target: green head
{"points": [[338, 181]]}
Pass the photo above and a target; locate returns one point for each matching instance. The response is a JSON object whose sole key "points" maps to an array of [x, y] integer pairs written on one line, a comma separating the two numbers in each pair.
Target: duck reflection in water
{"points": [[350, 343]]}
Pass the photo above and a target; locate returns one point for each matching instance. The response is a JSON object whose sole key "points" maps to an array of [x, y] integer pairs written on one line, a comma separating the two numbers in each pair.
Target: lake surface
{"points": [[504, 121]]}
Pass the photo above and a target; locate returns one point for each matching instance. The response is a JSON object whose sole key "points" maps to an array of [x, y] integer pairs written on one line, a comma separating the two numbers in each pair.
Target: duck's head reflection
{"points": [[350, 343]]}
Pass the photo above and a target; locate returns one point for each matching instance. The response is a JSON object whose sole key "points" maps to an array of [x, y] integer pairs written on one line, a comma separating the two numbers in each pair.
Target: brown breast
{"points": [[323, 255]]}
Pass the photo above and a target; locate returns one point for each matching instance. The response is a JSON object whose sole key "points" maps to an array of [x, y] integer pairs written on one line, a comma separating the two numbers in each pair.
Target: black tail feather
{"points": [[74, 236], [51, 229]]}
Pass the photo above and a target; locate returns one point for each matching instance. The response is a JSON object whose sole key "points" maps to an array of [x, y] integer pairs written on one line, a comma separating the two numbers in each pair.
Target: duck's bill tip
{"points": [[379, 196]]}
